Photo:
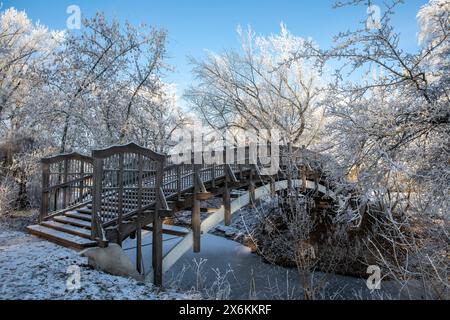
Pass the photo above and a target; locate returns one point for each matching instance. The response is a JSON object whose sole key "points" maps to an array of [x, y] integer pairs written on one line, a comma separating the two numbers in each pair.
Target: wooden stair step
{"points": [[61, 238], [85, 211], [114, 209], [78, 215], [81, 232], [73, 221]]}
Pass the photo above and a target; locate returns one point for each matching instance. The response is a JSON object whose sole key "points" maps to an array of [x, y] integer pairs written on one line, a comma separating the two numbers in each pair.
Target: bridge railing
{"points": [[125, 179], [180, 172], [67, 182]]}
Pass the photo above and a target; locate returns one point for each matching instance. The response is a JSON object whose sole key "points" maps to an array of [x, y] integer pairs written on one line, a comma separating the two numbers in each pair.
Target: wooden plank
{"points": [[61, 238], [85, 210], [77, 231], [79, 215], [74, 222]]}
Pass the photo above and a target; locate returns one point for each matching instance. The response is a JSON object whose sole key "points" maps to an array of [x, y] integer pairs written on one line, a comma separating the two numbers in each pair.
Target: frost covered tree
{"points": [[157, 119], [252, 88], [103, 78], [62, 92], [26, 52], [390, 131], [26, 49]]}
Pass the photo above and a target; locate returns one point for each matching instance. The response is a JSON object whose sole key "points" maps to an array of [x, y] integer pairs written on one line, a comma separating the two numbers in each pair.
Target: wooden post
{"points": [[179, 181], [316, 181], [251, 188], [66, 189], [81, 185], [289, 169], [196, 218], [120, 199], [272, 188], [303, 173], [227, 204], [157, 245], [139, 217], [157, 249], [97, 199], [139, 247], [226, 193], [57, 192], [45, 193], [213, 169]]}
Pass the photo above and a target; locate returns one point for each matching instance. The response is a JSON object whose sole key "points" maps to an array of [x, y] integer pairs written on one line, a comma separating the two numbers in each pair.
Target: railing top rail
{"points": [[134, 148], [68, 183], [66, 156], [282, 152], [220, 149], [128, 148]]}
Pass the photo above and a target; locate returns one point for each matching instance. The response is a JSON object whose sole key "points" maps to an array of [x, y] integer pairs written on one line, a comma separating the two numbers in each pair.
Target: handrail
{"points": [[70, 208], [128, 148], [65, 182], [66, 156], [170, 178], [68, 183]]}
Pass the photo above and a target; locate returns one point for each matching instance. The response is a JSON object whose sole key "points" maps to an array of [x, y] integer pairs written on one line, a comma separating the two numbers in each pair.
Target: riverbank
{"points": [[34, 269]]}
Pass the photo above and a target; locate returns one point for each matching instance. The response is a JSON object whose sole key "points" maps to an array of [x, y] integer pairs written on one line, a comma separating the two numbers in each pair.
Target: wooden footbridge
{"points": [[114, 194]]}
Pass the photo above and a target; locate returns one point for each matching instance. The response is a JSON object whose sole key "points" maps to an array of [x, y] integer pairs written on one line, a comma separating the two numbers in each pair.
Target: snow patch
{"points": [[31, 268]]}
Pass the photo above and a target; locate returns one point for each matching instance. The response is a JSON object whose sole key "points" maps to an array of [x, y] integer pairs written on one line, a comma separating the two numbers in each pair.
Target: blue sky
{"points": [[196, 25]]}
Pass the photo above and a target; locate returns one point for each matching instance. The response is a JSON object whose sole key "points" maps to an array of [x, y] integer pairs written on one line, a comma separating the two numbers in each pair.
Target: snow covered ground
{"points": [[31, 268]]}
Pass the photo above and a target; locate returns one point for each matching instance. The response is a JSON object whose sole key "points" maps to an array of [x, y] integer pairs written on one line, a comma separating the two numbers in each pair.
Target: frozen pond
{"points": [[227, 269]]}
